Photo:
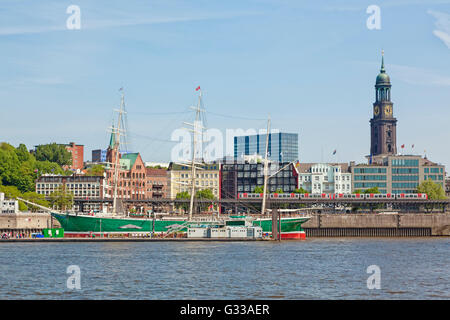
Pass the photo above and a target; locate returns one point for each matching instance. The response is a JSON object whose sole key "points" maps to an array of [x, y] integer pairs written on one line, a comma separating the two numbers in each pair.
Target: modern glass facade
{"points": [[245, 177], [397, 174], [282, 147]]}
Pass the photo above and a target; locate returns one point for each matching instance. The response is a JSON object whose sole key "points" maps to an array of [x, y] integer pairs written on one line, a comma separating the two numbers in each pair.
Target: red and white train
{"points": [[331, 196]]}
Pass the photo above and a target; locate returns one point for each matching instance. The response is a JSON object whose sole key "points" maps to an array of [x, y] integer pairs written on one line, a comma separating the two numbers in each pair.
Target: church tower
{"points": [[383, 125]]}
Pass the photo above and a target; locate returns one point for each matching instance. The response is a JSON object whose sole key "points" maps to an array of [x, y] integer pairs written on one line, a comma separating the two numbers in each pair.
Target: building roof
{"points": [[131, 157], [205, 166], [383, 78], [152, 172]]}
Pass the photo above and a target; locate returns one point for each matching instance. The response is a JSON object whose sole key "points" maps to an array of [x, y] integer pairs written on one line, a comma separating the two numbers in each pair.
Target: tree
{"points": [[183, 196], [300, 190], [434, 192], [13, 193], [61, 199], [371, 190], [279, 190], [259, 189], [432, 189], [54, 153], [19, 168], [96, 170], [22, 153], [35, 198], [48, 167], [205, 194]]}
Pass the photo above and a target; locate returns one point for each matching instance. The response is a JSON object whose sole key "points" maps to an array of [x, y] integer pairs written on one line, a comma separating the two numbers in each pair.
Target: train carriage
{"points": [[316, 196], [411, 196], [348, 196], [284, 196], [379, 196]]}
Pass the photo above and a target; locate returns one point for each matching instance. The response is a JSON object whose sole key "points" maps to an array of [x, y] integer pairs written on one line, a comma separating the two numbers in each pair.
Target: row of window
{"points": [[203, 167], [397, 185], [324, 170], [371, 177], [369, 170], [359, 185], [405, 162], [325, 178], [405, 178], [338, 187], [71, 185], [201, 175], [434, 177]]}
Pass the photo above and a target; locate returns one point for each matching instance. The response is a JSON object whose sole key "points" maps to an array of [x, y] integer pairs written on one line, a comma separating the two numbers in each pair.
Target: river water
{"points": [[325, 268]]}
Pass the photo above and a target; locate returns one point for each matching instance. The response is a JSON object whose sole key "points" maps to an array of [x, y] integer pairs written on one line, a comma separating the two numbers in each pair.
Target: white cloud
{"points": [[98, 24], [443, 26], [418, 76]]}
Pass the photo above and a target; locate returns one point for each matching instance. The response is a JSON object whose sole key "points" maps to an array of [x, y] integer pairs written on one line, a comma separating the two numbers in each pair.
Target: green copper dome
{"points": [[382, 77]]}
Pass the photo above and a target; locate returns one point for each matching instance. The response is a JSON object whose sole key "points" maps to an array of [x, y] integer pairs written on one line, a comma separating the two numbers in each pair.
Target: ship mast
{"points": [[266, 171], [116, 133], [194, 146]]}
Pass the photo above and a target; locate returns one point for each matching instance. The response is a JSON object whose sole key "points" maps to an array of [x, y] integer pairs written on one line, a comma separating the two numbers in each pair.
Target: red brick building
{"points": [[157, 183], [131, 182], [77, 151]]}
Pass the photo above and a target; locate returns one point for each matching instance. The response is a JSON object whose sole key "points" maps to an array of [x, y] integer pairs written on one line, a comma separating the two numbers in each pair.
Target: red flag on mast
{"points": [[403, 146], [198, 88]]}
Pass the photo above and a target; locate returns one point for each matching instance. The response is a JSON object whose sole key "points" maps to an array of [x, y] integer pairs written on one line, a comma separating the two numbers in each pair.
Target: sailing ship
{"points": [[119, 223]]}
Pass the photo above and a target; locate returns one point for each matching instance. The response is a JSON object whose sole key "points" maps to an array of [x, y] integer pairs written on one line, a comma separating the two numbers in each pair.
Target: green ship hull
{"points": [[82, 225]]}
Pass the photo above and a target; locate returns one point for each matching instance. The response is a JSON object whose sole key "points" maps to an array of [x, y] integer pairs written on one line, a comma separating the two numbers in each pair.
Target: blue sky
{"points": [[311, 65]]}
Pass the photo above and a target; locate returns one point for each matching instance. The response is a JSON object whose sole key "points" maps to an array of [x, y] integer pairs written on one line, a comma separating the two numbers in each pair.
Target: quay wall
{"points": [[26, 222], [320, 225], [409, 224]]}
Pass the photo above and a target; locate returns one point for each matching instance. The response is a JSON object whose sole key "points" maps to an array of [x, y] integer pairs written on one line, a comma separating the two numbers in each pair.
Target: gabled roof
{"points": [[130, 156]]}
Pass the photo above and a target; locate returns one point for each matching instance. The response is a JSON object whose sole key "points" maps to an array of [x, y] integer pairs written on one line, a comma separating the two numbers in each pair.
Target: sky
{"points": [[309, 65]]}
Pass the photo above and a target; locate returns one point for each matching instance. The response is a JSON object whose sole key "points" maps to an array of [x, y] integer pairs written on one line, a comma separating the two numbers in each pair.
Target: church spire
{"points": [[382, 70], [112, 140]]}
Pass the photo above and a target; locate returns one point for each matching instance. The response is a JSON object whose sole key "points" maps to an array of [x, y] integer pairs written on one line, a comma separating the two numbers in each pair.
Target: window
{"points": [[405, 162]]}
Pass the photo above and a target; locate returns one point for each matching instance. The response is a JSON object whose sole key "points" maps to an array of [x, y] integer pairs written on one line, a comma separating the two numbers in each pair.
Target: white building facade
{"points": [[325, 178], [8, 206]]}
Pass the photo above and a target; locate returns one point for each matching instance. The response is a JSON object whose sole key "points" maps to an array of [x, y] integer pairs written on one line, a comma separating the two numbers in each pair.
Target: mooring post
{"points": [[274, 223], [279, 226]]}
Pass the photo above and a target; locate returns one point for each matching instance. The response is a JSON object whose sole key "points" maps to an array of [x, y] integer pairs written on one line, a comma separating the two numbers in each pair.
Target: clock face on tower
{"points": [[388, 110], [376, 110]]}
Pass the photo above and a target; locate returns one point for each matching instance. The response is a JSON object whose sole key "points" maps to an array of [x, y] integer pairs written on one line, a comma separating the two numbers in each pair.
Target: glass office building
{"points": [[397, 174], [282, 147]]}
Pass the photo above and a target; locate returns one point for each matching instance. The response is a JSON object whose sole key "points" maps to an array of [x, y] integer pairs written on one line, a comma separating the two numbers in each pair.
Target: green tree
{"points": [[434, 192], [205, 194], [279, 190], [12, 192], [48, 167], [96, 170], [35, 198], [22, 153], [372, 190], [259, 189], [19, 168], [54, 153], [183, 196], [300, 190], [61, 199], [432, 189], [9, 164]]}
